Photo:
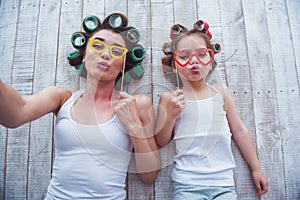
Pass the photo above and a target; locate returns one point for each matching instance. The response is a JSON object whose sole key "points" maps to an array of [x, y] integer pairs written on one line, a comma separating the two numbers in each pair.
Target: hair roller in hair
{"points": [[208, 33], [75, 58], [137, 53], [82, 70], [116, 20], [176, 29], [201, 25], [133, 35], [167, 48], [90, 23], [216, 47], [137, 71], [78, 39]]}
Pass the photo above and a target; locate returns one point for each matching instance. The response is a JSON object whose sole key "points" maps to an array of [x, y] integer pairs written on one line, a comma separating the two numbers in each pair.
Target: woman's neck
{"points": [[99, 91]]}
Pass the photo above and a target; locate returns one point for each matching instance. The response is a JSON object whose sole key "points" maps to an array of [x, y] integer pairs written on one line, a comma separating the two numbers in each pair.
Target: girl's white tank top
{"points": [[203, 144]]}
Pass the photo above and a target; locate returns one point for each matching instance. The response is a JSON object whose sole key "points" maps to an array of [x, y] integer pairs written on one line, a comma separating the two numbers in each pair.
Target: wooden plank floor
{"points": [[260, 62]]}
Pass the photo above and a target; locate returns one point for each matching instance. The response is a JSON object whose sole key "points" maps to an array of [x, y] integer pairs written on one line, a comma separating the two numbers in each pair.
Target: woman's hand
{"points": [[260, 181], [125, 108]]}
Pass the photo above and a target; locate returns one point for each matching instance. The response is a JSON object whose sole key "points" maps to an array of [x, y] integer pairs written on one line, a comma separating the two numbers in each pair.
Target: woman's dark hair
{"points": [[117, 23]]}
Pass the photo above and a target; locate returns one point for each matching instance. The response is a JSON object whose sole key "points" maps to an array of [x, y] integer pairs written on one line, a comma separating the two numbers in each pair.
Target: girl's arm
{"points": [[16, 110], [169, 107], [242, 138]]}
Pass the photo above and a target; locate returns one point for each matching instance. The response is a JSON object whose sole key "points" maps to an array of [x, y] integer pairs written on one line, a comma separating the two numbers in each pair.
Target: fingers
{"points": [[261, 186], [179, 98]]}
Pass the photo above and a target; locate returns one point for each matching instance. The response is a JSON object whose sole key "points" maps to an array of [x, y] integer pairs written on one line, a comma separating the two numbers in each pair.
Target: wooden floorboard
{"points": [[260, 63]]}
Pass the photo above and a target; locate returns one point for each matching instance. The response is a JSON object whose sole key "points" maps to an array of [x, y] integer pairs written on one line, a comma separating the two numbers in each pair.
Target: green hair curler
{"points": [[75, 58], [90, 23], [133, 35], [78, 39], [117, 20], [137, 53]]}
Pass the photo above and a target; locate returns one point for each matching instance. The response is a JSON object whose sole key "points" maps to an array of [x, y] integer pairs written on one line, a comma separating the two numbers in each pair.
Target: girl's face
{"points": [[192, 58], [104, 55]]}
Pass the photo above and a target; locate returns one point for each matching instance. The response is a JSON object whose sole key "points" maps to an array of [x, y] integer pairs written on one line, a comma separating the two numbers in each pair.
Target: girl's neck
{"points": [[197, 90], [194, 86]]}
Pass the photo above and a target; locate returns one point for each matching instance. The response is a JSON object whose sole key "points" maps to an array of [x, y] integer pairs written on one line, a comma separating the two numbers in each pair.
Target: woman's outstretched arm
{"points": [[16, 110]]}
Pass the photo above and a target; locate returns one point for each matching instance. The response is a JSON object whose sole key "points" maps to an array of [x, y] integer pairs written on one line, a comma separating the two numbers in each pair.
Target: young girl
{"points": [[201, 118], [96, 128]]}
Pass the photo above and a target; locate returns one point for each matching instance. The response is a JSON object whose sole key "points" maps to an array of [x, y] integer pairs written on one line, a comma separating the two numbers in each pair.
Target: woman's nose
{"points": [[105, 54]]}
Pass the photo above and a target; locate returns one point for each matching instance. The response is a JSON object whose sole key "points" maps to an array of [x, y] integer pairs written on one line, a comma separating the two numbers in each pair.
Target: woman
{"points": [[98, 127]]}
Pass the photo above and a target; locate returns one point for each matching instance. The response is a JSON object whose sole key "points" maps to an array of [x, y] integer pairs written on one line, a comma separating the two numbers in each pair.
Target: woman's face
{"points": [[192, 58], [104, 55]]}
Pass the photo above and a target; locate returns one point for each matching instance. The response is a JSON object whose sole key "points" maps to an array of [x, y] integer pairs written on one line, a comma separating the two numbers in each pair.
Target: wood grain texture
{"points": [[264, 96], [9, 11], [238, 79], [40, 142], [22, 80], [285, 75], [259, 62]]}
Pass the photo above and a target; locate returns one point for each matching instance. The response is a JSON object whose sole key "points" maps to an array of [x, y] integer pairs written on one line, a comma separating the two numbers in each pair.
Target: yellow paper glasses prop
{"points": [[99, 46]]}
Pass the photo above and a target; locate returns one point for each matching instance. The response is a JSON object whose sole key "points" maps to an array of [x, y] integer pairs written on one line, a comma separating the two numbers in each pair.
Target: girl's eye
{"points": [[202, 54], [184, 56]]}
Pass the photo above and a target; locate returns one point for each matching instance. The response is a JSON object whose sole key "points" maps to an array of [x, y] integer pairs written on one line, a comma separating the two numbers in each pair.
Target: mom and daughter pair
{"points": [[100, 129]]}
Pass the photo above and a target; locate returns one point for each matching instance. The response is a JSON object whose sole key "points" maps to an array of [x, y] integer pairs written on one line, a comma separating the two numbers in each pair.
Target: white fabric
{"points": [[91, 161], [203, 144]]}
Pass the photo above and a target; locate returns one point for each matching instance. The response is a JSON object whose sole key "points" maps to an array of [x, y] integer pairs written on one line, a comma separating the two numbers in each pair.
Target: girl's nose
{"points": [[194, 60]]}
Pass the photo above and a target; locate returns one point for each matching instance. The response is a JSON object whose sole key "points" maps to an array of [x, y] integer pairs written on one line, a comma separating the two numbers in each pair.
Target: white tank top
{"points": [[203, 144], [91, 161]]}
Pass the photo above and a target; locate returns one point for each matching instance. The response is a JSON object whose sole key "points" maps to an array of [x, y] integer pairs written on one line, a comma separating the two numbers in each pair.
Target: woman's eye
{"points": [[98, 46], [117, 51]]}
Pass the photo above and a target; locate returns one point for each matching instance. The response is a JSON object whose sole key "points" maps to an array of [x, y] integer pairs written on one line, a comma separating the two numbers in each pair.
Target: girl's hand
{"points": [[176, 103], [125, 108], [260, 181]]}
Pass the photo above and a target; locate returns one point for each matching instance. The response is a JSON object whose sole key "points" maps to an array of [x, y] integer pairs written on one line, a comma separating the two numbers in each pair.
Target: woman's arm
{"points": [[136, 115], [16, 110], [242, 138], [146, 152], [169, 107]]}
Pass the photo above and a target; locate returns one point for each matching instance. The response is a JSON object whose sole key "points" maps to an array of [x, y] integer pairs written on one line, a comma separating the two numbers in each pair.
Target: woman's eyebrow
{"points": [[103, 40]]}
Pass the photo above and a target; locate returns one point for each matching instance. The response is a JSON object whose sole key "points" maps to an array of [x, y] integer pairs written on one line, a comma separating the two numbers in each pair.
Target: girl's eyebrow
{"points": [[103, 40]]}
